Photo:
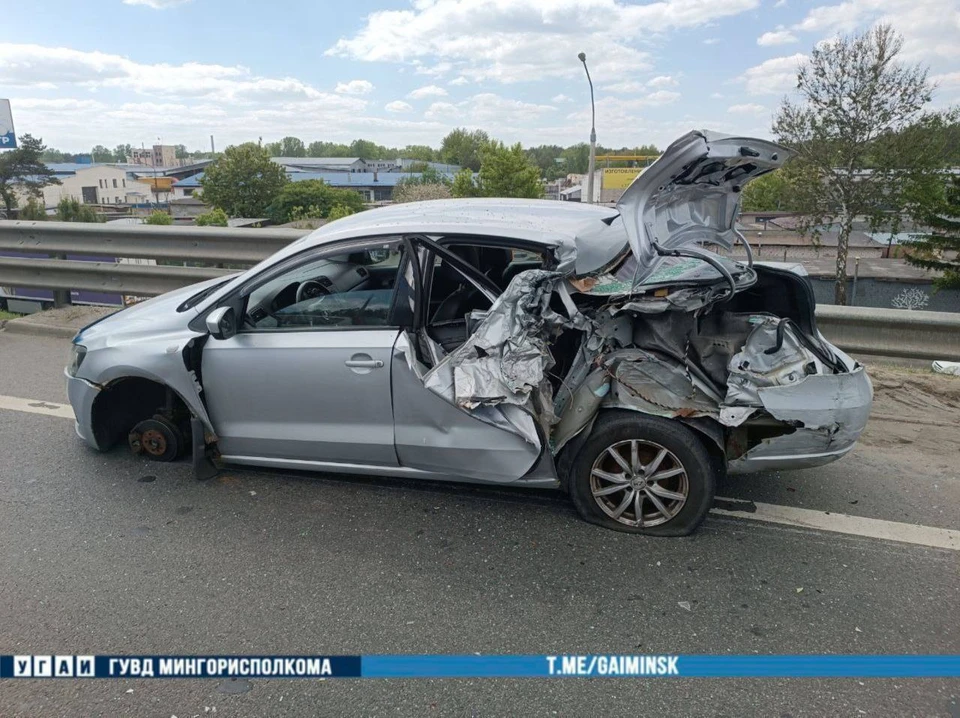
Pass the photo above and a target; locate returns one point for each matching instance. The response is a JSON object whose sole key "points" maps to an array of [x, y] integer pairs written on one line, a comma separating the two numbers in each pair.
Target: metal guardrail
{"points": [[892, 333], [222, 245], [212, 245], [859, 330]]}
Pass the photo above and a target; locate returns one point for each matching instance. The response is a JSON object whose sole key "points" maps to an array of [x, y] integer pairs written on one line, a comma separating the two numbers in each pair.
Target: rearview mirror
{"points": [[221, 323]]}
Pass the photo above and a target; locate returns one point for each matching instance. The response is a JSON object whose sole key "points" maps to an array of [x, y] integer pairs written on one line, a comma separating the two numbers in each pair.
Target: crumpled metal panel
{"points": [[505, 360], [757, 366], [665, 385]]}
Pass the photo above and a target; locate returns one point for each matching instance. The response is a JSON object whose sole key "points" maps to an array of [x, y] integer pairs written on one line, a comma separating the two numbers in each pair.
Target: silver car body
{"points": [[634, 284]]}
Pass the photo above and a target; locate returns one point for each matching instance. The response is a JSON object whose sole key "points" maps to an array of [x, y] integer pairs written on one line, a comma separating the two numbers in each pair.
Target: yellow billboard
{"points": [[619, 177]]}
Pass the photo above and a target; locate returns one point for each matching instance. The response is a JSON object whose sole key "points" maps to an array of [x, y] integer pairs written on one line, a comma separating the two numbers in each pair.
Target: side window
{"points": [[353, 288]]}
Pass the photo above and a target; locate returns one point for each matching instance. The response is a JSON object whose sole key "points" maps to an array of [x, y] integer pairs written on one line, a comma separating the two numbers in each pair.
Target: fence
{"points": [[861, 330]]}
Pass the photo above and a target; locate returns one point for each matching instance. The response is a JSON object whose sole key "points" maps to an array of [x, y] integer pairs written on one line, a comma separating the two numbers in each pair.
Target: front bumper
{"points": [[82, 394]]}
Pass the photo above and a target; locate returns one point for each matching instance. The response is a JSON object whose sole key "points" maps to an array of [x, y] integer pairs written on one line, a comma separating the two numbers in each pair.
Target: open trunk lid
{"points": [[691, 194]]}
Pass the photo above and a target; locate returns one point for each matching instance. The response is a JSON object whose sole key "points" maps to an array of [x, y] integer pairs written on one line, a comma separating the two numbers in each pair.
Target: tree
{"points": [[939, 209], [22, 171], [506, 172], [101, 154], [856, 103], [33, 211], [213, 218], [292, 147], [310, 198], [122, 152], [243, 181], [576, 158], [70, 209], [767, 193], [420, 192], [462, 147], [180, 152], [423, 153], [327, 149], [339, 211], [158, 216], [366, 149], [464, 185]]}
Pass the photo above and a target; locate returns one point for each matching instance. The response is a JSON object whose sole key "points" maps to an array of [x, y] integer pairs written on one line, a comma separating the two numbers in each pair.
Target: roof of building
{"points": [[335, 179], [316, 160]]}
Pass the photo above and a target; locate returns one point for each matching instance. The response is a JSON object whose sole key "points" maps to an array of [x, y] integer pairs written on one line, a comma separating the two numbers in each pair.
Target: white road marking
{"points": [[846, 524], [34, 406], [767, 513]]}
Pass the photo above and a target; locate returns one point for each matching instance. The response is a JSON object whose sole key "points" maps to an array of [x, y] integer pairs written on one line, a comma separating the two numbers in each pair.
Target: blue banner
{"points": [[473, 666]]}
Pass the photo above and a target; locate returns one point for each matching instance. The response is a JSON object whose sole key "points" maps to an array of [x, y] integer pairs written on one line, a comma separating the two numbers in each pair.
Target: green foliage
{"points": [[424, 153], [287, 147], [23, 169], [419, 192], [214, 218], [72, 210], [243, 182], [428, 175], [506, 172], [33, 211], [767, 193], [101, 154], [463, 147], [858, 106], [310, 198], [339, 211], [158, 216], [464, 185], [121, 152], [576, 158], [936, 204]]}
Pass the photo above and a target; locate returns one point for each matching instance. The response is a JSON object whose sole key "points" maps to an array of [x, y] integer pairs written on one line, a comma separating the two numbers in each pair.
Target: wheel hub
{"points": [[639, 483]]}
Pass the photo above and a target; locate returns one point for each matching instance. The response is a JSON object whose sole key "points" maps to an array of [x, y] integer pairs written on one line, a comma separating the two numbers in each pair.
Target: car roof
{"points": [[549, 222]]}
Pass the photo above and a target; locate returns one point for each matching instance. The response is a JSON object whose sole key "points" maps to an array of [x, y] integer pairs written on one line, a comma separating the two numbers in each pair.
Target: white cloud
{"points": [[560, 98], [930, 27], [716, 95], [427, 91], [486, 109], [626, 87], [711, 41], [776, 37], [354, 87], [398, 106], [780, 3], [661, 81], [947, 79], [461, 80], [774, 76], [750, 108], [156, 4], [514, 40]]}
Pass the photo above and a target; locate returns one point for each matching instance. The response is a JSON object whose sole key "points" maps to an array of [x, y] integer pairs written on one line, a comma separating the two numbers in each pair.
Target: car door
{"points": [[431, 433], [306, 379]]}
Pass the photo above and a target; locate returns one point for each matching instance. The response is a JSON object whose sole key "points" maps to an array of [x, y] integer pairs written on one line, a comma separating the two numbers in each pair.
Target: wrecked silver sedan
{"points": [[607, 352]]}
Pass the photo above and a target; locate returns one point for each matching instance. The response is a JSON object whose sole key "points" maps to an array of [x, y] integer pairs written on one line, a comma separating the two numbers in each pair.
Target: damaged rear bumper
{"points": [[827, 412]]}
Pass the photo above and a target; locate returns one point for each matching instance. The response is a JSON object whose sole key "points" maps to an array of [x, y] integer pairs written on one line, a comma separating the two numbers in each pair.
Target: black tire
{"points": [[652, 436]]}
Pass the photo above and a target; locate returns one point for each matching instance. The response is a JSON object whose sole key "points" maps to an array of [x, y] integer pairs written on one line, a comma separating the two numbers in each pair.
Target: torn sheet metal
{"points": [[773, 355], [666, 385], [506, 358]]}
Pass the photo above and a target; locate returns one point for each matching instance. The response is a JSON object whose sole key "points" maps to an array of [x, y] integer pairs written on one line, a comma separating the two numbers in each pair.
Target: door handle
{"points": [[364, 363]]}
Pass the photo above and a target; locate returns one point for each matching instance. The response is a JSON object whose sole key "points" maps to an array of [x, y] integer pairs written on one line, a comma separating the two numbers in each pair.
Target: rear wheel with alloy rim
{"points": [[643, 474]]}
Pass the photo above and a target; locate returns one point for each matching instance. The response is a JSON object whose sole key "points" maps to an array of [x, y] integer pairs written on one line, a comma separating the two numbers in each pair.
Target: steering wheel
{"points": [[311, 289]]}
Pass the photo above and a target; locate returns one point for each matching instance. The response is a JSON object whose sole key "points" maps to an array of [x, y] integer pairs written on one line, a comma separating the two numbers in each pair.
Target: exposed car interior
{"points": [[455, 303], [352, 289]]}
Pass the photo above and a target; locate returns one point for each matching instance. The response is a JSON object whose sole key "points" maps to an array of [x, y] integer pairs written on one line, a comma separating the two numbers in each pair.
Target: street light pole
{"points": [[592, 164]]}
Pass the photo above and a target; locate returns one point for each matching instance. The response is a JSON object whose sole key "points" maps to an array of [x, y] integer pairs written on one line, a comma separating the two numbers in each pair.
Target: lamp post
{"points": [[592, 165]]}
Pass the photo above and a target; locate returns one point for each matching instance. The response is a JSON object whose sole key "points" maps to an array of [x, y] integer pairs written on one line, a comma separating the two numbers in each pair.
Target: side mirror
{"points": [[221, 323]]}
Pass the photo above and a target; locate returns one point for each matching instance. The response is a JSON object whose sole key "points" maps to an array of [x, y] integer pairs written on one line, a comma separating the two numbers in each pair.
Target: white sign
{"points": [[8, 140]]}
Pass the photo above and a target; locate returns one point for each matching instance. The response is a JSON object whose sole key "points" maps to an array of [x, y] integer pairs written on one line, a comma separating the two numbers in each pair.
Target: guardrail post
{"points": [[61, 297]]}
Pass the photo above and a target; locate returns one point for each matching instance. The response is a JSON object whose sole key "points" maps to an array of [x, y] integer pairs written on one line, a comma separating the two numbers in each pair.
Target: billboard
{"points": [[619, 177], [8, 140]]}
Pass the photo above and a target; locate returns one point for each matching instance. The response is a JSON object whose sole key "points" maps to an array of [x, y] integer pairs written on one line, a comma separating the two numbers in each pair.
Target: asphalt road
{"points": [[112, 554]]}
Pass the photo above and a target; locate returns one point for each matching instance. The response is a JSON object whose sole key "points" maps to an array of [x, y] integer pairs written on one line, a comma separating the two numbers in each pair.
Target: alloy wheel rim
{"points": [[639, 483]]}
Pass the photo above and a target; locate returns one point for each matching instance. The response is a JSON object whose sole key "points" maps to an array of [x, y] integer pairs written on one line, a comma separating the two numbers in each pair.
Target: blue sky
{"points": [[401, 72]]}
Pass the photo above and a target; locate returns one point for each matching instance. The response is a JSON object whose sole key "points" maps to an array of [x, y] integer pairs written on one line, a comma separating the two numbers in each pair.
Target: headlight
{"points": [[77, 353]]}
